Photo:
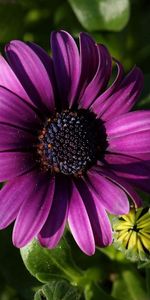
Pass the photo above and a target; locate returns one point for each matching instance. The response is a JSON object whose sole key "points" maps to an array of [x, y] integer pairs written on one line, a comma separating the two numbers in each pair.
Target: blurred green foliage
{"points": [[123, 26], [102, 14]]}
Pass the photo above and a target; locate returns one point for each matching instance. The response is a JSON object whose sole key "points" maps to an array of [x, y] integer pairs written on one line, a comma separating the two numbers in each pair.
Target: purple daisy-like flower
{"points": [[70, 149]]}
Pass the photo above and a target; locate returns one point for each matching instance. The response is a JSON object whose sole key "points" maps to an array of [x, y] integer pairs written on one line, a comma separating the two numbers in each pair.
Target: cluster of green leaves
{"points": [[65, 273]]}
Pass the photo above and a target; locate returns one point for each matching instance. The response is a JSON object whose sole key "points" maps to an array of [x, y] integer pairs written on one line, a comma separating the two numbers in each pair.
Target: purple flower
{"points": [[69, 147]]}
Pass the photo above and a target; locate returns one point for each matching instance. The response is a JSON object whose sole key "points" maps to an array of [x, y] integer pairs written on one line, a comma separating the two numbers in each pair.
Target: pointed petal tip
{"points": [[33, 214], [17, 242], [107, 242], [122, 98], [31, 73], [66, 61], [123, 210], [88, 251], [45, 242], [79, 223]]}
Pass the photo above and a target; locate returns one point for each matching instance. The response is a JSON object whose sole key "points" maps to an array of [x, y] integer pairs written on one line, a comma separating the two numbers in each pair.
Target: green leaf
{"points": [[57, 290], [135, 285], [119, 289], [47, 264], [102, 14], [94, 292], [129, 284]]}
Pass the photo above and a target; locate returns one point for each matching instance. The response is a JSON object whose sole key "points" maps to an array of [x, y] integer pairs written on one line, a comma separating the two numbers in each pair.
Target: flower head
{"points": [[70, 149], [132, 234]]}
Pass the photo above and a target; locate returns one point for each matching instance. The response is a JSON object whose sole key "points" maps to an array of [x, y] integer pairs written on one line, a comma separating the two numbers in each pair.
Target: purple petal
{"points": [[16, 111], [145, 157], [45, 59], [99, 220], [31, 73], [105, 95], [12, 138], [100, 78], [66, 66], [79, 223], [109, 194], [34, 211], [130, 133], [47, 62], [12, 196], [138, 142], [124, 98], [132, 122], [54, 227], [106, 172], [13, 164], [89, 60], [9, 80], [135, 170]]}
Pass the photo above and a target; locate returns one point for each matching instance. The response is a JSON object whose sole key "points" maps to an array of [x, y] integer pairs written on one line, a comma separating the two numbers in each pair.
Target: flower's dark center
{"points": [[68, 143]]}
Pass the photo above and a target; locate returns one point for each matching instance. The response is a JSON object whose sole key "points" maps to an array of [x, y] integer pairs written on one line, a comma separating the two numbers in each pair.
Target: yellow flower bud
{"points": [[132, 234]]}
